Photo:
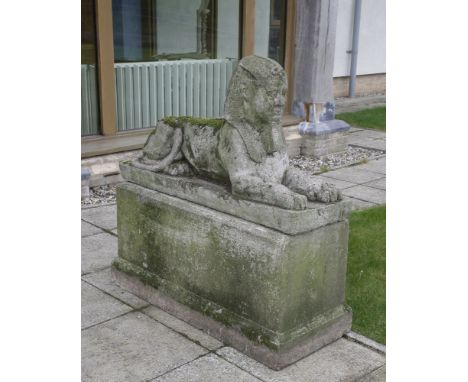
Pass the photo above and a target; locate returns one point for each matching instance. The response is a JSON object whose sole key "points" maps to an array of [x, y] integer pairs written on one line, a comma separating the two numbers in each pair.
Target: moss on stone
{"points": [[172, 121]]}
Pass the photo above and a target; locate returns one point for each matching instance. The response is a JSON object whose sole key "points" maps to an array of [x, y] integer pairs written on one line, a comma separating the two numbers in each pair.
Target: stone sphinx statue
{"points": [[246, 149]]}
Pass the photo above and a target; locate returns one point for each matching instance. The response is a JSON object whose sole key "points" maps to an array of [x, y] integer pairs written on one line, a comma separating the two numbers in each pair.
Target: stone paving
{"points": [[124, 338]]}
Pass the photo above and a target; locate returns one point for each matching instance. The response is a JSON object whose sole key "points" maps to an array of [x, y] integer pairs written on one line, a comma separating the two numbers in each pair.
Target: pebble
{"points": [[353, 155]]}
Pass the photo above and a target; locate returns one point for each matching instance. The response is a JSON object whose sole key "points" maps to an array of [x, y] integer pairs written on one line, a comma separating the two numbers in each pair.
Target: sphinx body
{"points": [[246, 149]]}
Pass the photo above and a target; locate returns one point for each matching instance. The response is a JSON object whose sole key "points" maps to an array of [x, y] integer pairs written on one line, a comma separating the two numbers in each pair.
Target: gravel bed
{"points": [[106, 194], [353, 155], [99, 196]]}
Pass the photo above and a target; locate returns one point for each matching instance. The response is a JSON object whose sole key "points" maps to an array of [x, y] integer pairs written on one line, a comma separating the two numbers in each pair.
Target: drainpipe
{"points": [[354, 49]]}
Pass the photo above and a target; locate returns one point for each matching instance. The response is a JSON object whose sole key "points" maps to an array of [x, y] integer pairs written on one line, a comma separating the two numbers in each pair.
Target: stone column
{"points": [[314, 58]]}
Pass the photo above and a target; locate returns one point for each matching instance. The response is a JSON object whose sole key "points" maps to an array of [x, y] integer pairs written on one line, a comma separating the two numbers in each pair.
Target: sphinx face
{"points": [[263, 105]]}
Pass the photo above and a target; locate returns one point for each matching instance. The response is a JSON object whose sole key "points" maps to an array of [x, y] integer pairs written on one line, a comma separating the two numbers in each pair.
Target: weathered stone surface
{"points": [[133, 347], [357, 204], [103, 280], [273, 288], [97, 306], [217, 196], [88, 229], [377, 165], [368, 194], [180, 326], [97, 252], [321, 145], [246, 149], [340, 361], [340, 184], [379, 183], [378, 375], [353, 174], [104, 217], [209, 368]]}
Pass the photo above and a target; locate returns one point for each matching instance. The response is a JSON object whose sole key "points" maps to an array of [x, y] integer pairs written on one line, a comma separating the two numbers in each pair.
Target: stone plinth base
{"points": [[323, 138], [270, 288]]}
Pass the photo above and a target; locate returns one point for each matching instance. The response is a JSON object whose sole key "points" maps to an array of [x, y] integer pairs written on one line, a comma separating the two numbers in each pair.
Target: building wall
{"points": [[371, 50]]}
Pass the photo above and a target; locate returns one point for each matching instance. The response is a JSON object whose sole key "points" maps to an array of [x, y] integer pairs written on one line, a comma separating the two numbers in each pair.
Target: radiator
{"points": [[149, 91], [89, 103]]}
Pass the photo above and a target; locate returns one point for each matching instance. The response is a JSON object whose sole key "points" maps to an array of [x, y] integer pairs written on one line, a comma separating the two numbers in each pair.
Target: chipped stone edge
{"points": [[363, 340]]}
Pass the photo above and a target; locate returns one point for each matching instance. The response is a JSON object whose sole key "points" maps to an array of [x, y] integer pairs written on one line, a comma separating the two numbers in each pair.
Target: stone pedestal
{"points": [[323, 138], [265, 280]]}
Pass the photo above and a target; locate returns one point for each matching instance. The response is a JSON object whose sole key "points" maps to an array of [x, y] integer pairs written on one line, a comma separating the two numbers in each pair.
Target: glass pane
{"points": [[89, 94], [173, 57], [270, 26], [153, 30]]}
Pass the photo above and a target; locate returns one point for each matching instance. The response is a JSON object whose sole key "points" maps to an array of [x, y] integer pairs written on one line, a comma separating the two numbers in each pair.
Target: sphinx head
{"points": [[256, 92]]}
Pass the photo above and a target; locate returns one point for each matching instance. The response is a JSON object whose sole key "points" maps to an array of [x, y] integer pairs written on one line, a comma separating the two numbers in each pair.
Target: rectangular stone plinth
{"points": [[219, 198], [274, 296]]}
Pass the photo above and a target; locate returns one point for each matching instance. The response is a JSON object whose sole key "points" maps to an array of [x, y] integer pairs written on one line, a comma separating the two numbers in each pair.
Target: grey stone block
{"points": [[321, 145], [104, 217], [133, 347], [377, 165], [97, 252], [97, 306], [340, 361], [103, 280], [88, 229], [363, 340], [276, 296], [357, 204], [209, 368], [353, 174], [367, 194], [180, 326], [378, 375], [340, 184], [379, 183]]}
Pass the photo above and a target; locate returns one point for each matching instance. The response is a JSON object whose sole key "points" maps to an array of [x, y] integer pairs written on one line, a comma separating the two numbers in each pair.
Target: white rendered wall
{"points": [[371, 52]]}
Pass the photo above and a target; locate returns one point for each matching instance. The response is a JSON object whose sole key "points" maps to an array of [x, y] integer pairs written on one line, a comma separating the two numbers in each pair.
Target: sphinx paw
{"points": [[325, 193]]}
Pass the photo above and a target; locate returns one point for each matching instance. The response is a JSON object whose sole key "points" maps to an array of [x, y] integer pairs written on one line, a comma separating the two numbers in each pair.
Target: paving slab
{"points": [[103, 216], [340, 184], [209, 368], [339, 361], [370, 133], [133, 347], [367, 194], [353, 129], [378, 375], [353, 174], [379, 183], [88, 229], [97, 307], [357, 204], [103, 281], [97, 252], [376, 165], [182, 327]]}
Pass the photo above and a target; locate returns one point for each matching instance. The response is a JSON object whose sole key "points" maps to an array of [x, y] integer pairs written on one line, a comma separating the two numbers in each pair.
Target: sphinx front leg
{"points": [[254, 188], [313, 187]]}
